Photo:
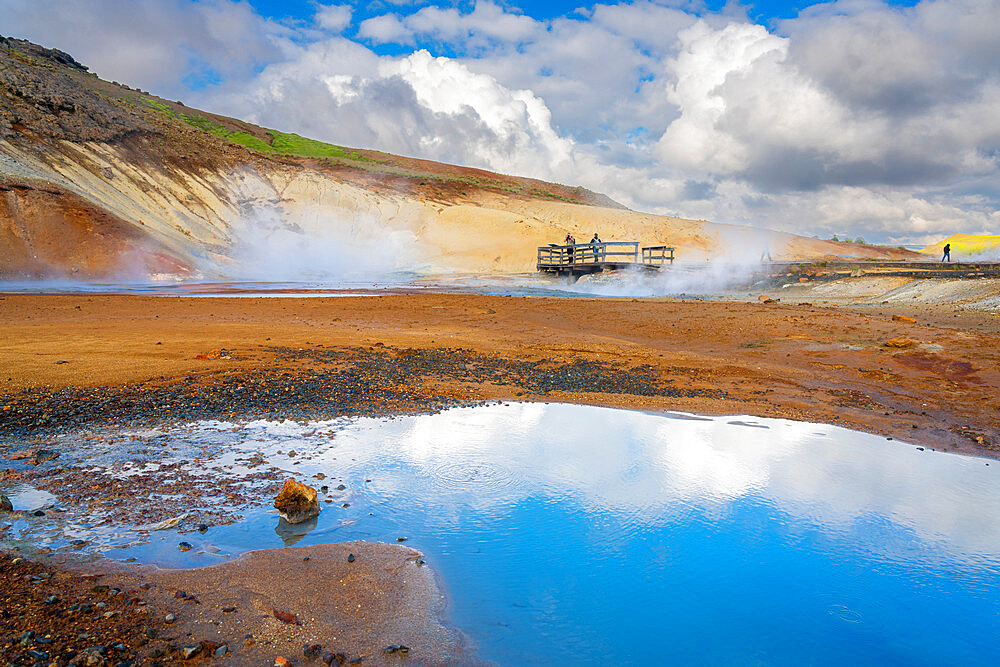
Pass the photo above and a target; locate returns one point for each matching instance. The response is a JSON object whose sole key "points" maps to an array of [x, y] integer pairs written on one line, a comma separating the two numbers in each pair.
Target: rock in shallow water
{"points": [[297, 502]]}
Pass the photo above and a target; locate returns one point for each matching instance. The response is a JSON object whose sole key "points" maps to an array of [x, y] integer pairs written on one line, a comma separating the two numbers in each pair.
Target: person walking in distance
{"points": [[947, 253], [570, 241]]}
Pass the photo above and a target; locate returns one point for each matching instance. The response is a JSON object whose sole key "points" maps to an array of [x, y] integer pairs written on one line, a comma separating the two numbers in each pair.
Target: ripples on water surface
{"points": [[571, 534]]}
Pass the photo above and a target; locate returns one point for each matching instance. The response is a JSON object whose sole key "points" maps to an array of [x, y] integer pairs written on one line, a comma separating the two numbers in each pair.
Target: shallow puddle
{"points": [[573, 534]]}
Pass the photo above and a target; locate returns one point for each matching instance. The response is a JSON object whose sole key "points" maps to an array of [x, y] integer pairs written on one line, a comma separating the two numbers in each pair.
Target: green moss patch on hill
{"points": [[272, 143]]}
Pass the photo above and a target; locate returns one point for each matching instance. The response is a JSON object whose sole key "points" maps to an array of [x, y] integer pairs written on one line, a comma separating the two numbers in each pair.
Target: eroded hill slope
{"points": [[101, 180]]}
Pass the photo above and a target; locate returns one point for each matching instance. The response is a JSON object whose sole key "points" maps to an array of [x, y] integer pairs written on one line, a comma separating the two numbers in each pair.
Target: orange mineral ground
{"points": [[823, 364]]}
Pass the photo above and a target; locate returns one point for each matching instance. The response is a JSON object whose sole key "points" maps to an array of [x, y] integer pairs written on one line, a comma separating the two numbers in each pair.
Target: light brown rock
{"points": [[903, 318], [900, 342]]}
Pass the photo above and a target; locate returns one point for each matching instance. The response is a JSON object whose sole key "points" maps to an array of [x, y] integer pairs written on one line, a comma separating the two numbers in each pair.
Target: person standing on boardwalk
{"points": [[947, 253], [570, 241], [595, 245]]}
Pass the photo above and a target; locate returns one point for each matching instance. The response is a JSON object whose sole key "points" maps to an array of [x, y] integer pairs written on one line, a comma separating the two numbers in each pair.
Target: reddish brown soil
{"points": [[263, 605], [47, 232], [803, 362]]}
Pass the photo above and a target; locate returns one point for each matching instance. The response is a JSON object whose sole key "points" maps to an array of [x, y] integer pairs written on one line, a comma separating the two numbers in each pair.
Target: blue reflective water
{"points": [[571, 534]]}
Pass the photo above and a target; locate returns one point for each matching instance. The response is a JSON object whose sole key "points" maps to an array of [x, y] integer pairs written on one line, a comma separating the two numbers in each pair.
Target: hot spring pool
{"points": [[572, 534]]}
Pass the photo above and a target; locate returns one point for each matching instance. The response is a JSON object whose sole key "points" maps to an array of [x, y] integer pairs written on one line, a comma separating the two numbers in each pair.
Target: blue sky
{"points": [[851, 117]]}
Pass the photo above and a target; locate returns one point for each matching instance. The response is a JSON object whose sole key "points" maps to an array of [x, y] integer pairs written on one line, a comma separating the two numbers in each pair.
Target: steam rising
{"points": [[319, 245], [739, 257]]}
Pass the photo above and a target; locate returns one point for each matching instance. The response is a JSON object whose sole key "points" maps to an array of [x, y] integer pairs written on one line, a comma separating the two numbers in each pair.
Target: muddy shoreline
{"points": [[93, 363], [304, 604]]}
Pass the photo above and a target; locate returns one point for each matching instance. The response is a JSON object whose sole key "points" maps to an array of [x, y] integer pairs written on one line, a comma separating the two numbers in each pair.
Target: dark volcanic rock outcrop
{"points": [[40, 93]]}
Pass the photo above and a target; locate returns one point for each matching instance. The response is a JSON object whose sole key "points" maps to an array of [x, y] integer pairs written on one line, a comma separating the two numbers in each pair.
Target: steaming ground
{"points": [[317, 245]]}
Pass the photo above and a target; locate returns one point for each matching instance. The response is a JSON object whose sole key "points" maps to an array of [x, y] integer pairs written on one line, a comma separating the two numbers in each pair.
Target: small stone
{"points": [[190, 651], [281, 662], [5, 504], [324, 489], [26, 637], [296, 502], [169, 618], [899, 343], [400, 539], [52, 599], [330, 658], [903, 318], [38, 655], [320, 476], [286, 617], [185, 546], [350, 558], [43, 455], [229, 609], [38, 513], [221, 651], [312, 651], [341, 487], [202, 527], [150, 632]]}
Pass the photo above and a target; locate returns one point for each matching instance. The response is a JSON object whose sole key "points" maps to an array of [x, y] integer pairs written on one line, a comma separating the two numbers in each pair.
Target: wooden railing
{"points": [[657, 255], [610, 252]]}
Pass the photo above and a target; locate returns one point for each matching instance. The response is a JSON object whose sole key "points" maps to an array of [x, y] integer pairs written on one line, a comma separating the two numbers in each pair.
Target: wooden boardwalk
{"points": [[581, 258]]}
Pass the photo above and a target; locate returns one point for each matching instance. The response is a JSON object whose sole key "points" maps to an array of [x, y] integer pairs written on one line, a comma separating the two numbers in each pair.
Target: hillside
{"points": [[967, 246], [100, 180]]}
